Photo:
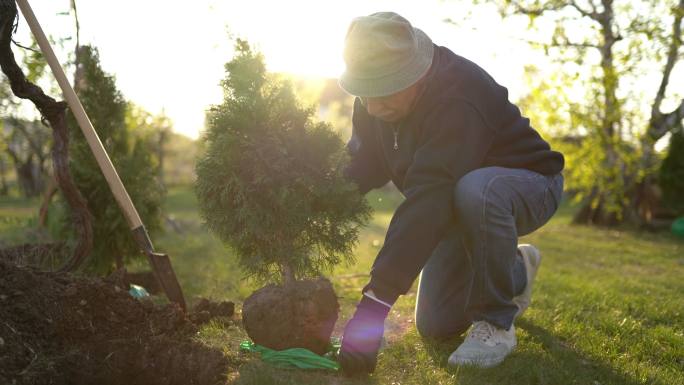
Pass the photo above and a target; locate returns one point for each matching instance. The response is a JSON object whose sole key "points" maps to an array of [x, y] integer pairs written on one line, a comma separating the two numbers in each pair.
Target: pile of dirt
{"points": [[206, 310], [56, 328]]}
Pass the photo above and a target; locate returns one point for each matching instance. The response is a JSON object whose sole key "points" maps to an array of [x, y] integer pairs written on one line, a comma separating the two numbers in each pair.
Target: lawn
{"points": [[608, 306]]}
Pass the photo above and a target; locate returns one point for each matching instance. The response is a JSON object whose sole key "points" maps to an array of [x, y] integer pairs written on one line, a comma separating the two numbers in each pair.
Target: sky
{"points": [[169, 55]]}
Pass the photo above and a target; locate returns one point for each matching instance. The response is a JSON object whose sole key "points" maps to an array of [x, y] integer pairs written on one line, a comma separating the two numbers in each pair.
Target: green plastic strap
{"points": [[299, 358]]}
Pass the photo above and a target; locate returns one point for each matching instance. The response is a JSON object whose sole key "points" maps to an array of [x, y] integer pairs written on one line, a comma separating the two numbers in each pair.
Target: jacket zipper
{"points": [[396, 138], [383, 154]]}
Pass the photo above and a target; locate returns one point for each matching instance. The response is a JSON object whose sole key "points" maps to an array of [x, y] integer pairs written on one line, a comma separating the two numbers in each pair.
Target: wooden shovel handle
{"points": [[94, 142]]}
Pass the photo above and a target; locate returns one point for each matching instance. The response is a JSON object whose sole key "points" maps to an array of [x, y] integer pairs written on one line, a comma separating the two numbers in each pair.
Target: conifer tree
{"points": [[132, 155], [270, 182]]}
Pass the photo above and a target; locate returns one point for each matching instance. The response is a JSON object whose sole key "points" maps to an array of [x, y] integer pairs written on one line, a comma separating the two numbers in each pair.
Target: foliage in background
{"points": [[126, 135], [672, 173], [334, 104], [270, 181], [604, 50], [180, 153], [25, 142], [155, 129]]}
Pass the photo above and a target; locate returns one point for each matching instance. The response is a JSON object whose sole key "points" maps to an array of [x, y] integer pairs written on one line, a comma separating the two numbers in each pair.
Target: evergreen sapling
{"points": [[270, 185]]}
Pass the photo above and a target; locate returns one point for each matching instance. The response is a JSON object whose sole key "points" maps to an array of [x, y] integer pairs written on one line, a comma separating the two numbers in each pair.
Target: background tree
{"points": [[27, 144], [5, 97], [156, 128], [604, 49], [26, 141], [180, 154], [131, 151], [672, 173], [4, 186]]}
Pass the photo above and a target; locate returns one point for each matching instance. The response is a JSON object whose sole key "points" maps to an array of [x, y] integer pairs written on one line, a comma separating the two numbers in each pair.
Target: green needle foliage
{"points": [[270, 182], [131, 150]]}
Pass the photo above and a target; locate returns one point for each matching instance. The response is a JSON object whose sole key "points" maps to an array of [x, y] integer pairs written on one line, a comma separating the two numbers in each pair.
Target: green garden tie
{"points": [[299, 358]]}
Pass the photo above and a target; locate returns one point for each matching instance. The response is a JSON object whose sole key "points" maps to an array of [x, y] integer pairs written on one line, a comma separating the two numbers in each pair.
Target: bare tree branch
{"points": [[557, 6], [535, 43], [591, 14], [78, 42], [666, 122], [539, 10], [567, 43], [24, 47], [672, 56], [78, 26], [594, 8]]}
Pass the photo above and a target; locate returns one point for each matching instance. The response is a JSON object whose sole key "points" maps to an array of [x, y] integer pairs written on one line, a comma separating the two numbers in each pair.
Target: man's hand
{"points": [[362, 337]]}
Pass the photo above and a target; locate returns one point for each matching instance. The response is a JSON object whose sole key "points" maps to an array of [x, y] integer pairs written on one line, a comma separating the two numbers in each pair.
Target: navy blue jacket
{"points": [[461, 122]]}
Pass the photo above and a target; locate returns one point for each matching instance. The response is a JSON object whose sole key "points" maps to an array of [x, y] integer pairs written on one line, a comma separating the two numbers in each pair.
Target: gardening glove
{"points": [[363, 336]]}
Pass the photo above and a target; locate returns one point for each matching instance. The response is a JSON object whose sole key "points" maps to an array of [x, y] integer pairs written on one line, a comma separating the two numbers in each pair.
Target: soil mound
{"points": [[57, 328], [206, 310]]}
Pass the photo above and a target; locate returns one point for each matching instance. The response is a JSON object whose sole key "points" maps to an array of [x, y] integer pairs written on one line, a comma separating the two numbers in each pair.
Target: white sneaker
{"points": [[485, 346], [532, 259]]}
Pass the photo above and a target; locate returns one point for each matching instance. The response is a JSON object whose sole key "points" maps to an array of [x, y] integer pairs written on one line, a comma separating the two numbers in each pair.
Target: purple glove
{"points": [[362, 337]]}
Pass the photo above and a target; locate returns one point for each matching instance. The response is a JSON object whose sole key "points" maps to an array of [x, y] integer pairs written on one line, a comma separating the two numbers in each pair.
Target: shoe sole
{"points": [[478, 363], [482, 362], [532, 258]]}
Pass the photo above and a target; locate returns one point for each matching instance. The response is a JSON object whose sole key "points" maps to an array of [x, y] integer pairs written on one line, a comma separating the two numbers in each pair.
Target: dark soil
{"points": [[302, 316], [206, 310], [56, 328]]}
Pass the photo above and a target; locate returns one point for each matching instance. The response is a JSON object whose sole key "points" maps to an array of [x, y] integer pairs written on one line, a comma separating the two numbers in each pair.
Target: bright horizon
{"points": [[170, 57]]}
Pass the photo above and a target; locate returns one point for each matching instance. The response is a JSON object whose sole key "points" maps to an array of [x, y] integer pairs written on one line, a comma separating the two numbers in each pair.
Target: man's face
{"points": [[392, 108]]}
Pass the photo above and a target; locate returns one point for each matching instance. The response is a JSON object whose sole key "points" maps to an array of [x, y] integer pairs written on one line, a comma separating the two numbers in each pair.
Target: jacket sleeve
{"points": [[364, 167], [455, 140]]}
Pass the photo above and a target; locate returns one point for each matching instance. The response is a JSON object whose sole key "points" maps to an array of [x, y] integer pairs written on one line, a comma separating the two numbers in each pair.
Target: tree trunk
{"points": [[644, 208], [4, 189], [47, 197], [645, 196], [590, 214], [29, 178], [645, 201], [160, 155], [287, 275], [594, 210]]}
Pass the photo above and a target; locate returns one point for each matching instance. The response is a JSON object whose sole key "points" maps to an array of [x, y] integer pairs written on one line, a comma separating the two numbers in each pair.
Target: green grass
{"points": [[608, 305], [18, 219]]}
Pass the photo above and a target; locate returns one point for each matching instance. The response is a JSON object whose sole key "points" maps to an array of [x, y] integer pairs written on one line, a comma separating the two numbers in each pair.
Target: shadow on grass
{"points": [[546, 359]]}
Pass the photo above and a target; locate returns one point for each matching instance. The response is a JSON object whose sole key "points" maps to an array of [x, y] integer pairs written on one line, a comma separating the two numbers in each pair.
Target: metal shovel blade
{"points": [[161, 266]]}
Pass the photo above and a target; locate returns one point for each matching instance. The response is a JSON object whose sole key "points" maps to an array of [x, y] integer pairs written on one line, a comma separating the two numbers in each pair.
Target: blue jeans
{"points": [[475, 271]]}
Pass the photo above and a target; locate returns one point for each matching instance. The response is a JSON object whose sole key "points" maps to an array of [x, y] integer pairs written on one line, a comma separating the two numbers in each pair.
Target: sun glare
{"points": [[175, 62]]}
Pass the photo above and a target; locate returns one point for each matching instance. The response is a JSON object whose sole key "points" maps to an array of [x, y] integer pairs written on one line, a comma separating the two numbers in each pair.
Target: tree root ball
{"points": [[300, 316]]}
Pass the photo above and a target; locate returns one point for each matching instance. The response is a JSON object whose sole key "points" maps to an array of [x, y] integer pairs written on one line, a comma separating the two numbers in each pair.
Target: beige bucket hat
{"points": [[384, 54]]}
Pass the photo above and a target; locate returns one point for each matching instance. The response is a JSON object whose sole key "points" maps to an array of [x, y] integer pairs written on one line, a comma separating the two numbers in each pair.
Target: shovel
{"points": [[161, 265]]}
